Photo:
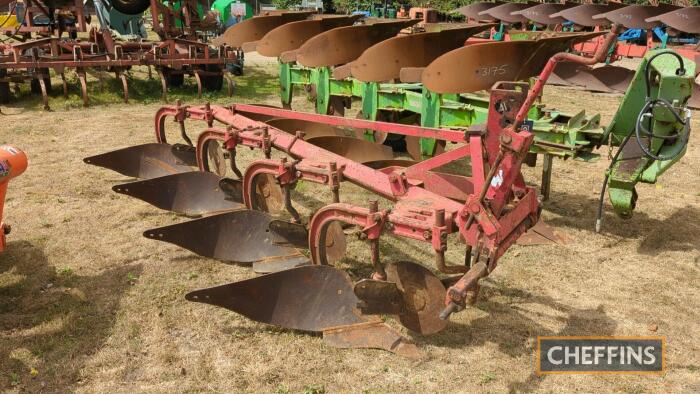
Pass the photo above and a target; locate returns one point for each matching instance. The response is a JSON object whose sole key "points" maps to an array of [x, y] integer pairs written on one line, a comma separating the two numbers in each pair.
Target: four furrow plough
{"points": [[247, 220]]}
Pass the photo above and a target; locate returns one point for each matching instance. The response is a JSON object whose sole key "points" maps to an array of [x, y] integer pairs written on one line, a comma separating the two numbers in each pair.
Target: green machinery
{"points": [[651, 126], [558, 134]]}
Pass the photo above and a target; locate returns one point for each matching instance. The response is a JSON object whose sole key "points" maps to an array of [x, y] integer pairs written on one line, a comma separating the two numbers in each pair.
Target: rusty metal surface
{"points": [[345, 44], [542, 13], [371, 335], [583, 14], [685, 19], [546, 48], [476, 67], [277, 264], [288, 233], [635, 16], [309, 298], [378, 297], [291, 36], [615, 77], [472, 11], [189, 193], [423, 297], [255, 28], [239, 236], [269, 196], [574, 74], [543, 234], [601, 79], [148, 160], [296, 235], [310, 129], [411, 74], [504, 12], [354, 149], [384, 61]]}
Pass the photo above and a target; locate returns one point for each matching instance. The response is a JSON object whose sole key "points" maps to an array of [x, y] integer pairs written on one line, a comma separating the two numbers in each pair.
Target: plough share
{"points": [[488, 210]]}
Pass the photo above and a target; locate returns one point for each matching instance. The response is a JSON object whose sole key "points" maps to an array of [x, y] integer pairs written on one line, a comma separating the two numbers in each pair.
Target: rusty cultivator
{"points": [[253, 220], [180, 52], [13, 162]]}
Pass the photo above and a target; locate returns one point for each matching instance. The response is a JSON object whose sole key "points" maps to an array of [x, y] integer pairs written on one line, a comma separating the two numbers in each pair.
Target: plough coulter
{"points": [[13, 162], [253, 220]]}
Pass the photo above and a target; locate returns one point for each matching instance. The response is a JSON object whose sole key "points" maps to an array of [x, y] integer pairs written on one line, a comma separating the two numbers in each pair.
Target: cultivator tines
{"points": [[13, 162], [172, 59], [488, 210]]}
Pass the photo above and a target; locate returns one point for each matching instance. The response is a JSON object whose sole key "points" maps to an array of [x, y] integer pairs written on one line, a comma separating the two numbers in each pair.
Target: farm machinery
{"points": [[182, 50], [648, 27], [13, 162], [251, 219], [416, 79]]}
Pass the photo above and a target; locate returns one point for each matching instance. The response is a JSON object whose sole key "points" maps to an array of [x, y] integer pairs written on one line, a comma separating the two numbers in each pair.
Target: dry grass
{"points": [[93, 306]]}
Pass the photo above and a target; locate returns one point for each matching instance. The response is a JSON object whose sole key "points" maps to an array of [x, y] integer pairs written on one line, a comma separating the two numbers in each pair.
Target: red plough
{"points": [[488, 211]]}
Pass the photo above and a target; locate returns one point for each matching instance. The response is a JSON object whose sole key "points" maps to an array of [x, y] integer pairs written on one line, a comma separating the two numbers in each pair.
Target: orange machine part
{"points": [[13, 162]]}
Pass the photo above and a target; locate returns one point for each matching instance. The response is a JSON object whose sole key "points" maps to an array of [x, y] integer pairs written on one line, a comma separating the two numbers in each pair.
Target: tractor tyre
{"points": [[130, 7]]}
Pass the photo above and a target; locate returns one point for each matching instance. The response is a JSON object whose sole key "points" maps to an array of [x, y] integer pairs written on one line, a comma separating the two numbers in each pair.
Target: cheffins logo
{"points": [[601, 355]]}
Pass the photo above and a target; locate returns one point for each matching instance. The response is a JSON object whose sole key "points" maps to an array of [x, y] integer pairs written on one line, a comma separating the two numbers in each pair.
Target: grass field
{"points": [[89, 305]]}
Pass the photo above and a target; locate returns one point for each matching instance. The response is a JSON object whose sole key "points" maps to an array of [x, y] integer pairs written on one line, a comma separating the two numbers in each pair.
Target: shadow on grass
{"points": [[52, 319], [511, 326], [677, 232], [255, 84]]}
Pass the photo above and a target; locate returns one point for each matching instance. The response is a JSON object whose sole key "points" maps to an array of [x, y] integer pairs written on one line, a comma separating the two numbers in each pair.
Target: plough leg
{"points": [[125, 86], [163, 85], [198, 78], [83, 88], [65, 85], [44, 95], [230, 83]]}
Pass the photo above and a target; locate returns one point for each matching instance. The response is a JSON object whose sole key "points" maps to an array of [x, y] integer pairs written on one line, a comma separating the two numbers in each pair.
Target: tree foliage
{"points": [[347, 6]]}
